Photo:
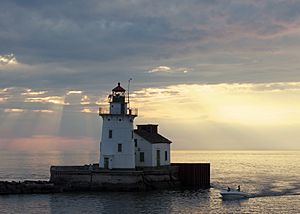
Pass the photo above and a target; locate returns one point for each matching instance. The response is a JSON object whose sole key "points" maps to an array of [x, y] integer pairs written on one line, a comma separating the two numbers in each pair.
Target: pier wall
{"points": [[194, 174], [92, 178], [143, 178]]}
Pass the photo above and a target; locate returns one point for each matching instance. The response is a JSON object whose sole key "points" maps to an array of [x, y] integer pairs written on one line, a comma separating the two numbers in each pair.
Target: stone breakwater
{"points": [[28, 187]]}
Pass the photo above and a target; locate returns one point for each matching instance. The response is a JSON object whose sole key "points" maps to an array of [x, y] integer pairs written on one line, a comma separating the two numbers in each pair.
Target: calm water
{"points": [[272, 177]]}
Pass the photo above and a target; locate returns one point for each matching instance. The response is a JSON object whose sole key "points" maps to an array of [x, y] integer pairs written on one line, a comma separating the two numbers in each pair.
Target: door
{"points": [[106, 163], [158, 157]]}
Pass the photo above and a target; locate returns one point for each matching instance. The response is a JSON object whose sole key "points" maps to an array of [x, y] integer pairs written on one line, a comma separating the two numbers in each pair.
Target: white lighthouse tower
{"points": [[117, 144]]}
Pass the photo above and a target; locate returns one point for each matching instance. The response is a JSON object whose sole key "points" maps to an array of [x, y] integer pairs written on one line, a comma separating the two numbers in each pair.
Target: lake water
{"points": [[272, 178]]}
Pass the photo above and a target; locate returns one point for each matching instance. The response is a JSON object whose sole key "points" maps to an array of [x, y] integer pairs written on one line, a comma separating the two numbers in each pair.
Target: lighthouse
{"points": [[117, 148], [142, 156]]}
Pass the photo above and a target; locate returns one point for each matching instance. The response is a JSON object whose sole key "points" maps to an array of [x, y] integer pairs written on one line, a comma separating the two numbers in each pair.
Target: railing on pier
{"points": [[130, 111]]}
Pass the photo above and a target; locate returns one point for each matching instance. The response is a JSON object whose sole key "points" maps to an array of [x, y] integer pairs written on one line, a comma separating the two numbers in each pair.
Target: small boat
{"points": [[234, 194]]}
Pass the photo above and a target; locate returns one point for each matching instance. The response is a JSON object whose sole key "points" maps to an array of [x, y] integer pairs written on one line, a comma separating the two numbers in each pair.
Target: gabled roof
{"points": [[152, 137], [118, 88]]}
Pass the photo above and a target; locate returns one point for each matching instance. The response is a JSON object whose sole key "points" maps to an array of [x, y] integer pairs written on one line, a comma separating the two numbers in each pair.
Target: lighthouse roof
{"points": [[149, 133], [118, 88]]}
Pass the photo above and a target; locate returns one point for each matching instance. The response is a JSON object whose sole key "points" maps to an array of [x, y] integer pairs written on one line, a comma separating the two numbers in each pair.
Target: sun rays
{"points": [[217, 114]]}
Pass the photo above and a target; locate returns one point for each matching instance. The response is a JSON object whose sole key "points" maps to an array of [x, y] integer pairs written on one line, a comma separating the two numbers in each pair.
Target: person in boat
{"points": [[228, 189], [239, 188]]}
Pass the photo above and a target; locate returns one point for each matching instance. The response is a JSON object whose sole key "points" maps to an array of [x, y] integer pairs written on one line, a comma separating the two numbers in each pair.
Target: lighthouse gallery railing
{"points": [[131, 111]]}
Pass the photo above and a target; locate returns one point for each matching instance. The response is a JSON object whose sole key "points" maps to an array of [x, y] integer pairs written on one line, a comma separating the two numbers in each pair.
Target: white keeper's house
{"points": [[121, 146], [151, 149]]}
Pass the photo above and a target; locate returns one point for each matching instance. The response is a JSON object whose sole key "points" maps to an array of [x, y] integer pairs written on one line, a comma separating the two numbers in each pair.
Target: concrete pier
{"points": [[92, 178], [78, 178]]}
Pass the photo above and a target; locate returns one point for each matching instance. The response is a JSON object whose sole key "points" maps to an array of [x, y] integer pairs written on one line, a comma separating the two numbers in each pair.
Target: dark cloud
{"points": [[57, 46], [86, 30], [90, 44], [38, 31]]}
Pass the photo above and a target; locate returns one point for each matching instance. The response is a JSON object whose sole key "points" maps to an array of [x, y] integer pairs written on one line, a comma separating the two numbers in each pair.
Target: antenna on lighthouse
{"points": [[128, 92]]}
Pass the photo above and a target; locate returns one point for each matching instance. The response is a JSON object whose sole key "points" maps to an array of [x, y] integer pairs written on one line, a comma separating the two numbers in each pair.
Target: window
{"points": [[110, 134], [119, 147], [142, 157], [166, 155], [135, 142]]}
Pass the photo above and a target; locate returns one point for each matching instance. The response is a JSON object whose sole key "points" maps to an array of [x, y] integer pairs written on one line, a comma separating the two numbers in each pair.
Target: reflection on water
{"points": [[236, 203], [22, 166], [272, 178]]}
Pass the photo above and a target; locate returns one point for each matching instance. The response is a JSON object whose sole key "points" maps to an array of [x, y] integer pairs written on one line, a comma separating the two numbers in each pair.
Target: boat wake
{"points": [[272, 194], [266, 192]]}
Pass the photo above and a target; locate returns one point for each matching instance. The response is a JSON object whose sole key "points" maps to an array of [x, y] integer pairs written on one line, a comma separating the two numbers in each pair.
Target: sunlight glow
{"points": [[43, 111], [167, 69], [51, 99], [85, 100], [8, 59], [29, 92], [74, 92], [161, 68], [219, 116], [13, 110], [228, 103], [86, 110], [3, 99]]}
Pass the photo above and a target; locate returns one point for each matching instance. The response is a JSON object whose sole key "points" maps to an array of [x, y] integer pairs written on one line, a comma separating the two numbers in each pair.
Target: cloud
{"points": [[13, 110], [89, 110], [244, 115], [43, 111], [140, 29], [160, 69], [26, 100], [42, 101], [8, 59], [29, 92], [166, 69], [90, 45], [85, 100], [51, 99], [74, 92], [3, 99], [233, 103], [19, 110]]}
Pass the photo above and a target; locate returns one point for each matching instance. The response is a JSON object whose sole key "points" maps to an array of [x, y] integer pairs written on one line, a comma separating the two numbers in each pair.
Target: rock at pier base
{"points": [[28, 187]]}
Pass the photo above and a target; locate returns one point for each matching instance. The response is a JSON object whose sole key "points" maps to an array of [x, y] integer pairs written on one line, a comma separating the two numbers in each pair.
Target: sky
{"points": [[214, 74]]}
